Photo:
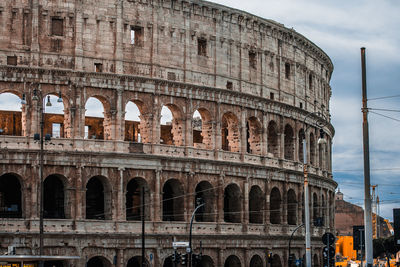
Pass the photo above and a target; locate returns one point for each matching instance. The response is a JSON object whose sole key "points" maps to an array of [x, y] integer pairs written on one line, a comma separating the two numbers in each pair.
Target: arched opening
{"points": [[256, 205], [276, 261], [315, 261], [232, 204], [12, 114], [136, 262], [205, 261], [289, 144], [98, 199], [254, 130], [232, 261], [205, 191], [168, 262], [202, 129], [173, 199], [256, 261], [56, 122], [54, 199], [275, 206], [97, 119], [291, 207], [300, 142], [54, 264], [132, 123], [171, 126], [230, 133], [98, 261], [312, 149], [134, 200], [10, 196], [315, 206], [272, 139]]}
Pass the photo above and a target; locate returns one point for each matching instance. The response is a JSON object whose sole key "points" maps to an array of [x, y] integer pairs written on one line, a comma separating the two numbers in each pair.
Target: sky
{"points": [[341, 28]]}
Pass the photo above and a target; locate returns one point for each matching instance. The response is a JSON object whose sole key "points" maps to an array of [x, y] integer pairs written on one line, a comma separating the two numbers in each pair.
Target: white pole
{"points": [[306, 205]]}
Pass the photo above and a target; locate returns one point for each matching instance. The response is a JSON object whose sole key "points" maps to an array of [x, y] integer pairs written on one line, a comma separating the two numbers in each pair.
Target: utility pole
{"points": [[367, 191]]}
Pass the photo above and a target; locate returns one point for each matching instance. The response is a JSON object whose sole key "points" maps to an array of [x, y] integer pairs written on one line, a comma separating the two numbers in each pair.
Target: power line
{"points": [[388, 117], [383, 97], [384, 109]]}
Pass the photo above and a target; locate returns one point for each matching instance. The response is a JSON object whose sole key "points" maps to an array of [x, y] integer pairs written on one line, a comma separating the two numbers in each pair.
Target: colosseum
{"points": [[196, 100]]}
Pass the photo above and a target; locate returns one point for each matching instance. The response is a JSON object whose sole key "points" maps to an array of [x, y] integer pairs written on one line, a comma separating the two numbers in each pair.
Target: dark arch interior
{"points": [[232, 261], [275, 206], [173, 201], [315, 206], [136, 262], [10, 197], [292, 207], [53, 264], [134, 200], [168, 262], [232, 204], [205, 261], [53, 194], [272, 139], [256, 261], [98, 262], [289, 147], [276, 261], [95, 199], [205, 192], [256, 205]]}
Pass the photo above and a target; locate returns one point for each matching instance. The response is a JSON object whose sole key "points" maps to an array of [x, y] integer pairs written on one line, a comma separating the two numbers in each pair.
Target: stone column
{"points": [[178, 131], [79, 25], [188, 125], [35, 27], [267, 200], [264, 136], [121, 212], [156, 135], [80, 199], [145, 127], [245, 209], [217, 133], [120, 258], [243, 128], [284, 205], [119, 119], [157, 197], [119, 38], [220, 199], [189, 196]]}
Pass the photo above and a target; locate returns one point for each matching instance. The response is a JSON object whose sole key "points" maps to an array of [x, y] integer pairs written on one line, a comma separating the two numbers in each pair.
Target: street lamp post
{"points": [[290, 259], [190, 230], [37, 94], [321, 122]]}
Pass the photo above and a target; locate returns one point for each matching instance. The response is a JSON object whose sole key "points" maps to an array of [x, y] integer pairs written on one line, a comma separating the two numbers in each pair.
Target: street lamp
{"points": [[320, 123], [199, 203], [37, 94]]}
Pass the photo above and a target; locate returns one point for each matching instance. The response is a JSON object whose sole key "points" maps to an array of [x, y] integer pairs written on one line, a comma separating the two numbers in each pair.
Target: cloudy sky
{"points": [[341, 28]]}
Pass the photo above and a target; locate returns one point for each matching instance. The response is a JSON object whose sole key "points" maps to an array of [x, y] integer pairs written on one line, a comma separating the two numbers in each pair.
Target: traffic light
{"points": [[269, 258], [328, 252], [183, 259], [176, 257], [292, 259], [196, 258]]}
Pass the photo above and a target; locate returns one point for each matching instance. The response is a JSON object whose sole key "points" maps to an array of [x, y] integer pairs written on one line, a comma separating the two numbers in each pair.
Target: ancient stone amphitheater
{"points": [[238, 89]]}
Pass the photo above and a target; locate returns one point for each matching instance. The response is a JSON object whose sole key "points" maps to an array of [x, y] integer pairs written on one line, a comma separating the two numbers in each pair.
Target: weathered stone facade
{"points": [[253, 82]]}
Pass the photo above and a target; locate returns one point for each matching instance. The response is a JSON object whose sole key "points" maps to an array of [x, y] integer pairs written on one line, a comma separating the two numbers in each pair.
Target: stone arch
{"points": [[98, 261], [98, 199], [57, 120], [10, 196], [291, 207], [203, 130], [272, 139], [254, 132], [276, 261], [256, 261], [172, 131], [275, 206], [55, 264], [54, 197], [206, 261], [133, 199], [315, 205], [168, 262], [232, 204], [289, 143], [136, 261], [256, 204], [205, 191], [232, 261], [98, 126], [132, 121], [300, 146], [230, 132], [13, 114], [173, 199], [312, 149]]}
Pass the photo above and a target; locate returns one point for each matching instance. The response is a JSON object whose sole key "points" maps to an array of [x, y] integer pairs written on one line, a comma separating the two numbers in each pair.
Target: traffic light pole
{"points": [[190, 234]]}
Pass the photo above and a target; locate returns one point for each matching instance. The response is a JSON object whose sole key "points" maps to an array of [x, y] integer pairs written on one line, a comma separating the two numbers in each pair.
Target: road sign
{"points": [[151, 256], [180, 244], [328, 238]]}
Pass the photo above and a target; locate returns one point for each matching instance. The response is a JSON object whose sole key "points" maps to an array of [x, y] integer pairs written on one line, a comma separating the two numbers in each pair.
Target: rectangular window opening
{"points": [[12, 60], [229, 85], [271, 96], [98, 67], [301, 105], [253, 60], [56, 130], [87, 131], [202, 47], [287, 70], [136, 36], [57, 27]]}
